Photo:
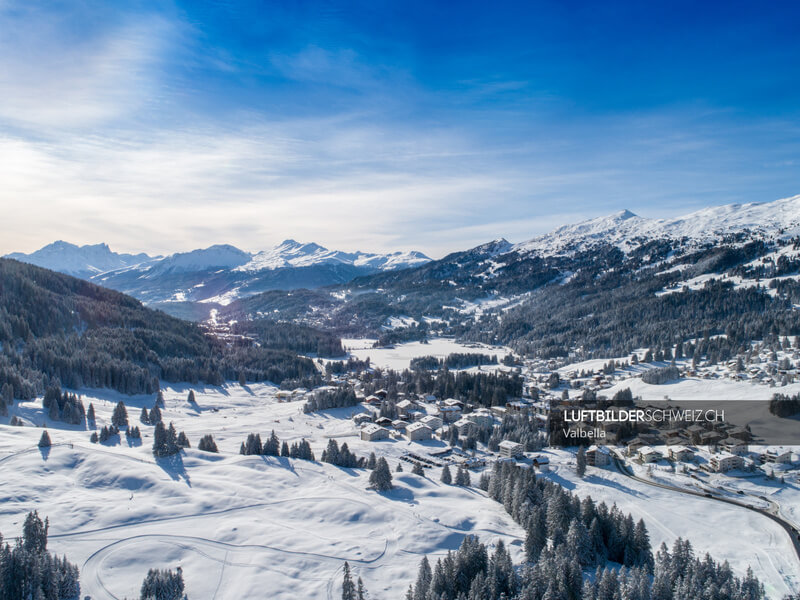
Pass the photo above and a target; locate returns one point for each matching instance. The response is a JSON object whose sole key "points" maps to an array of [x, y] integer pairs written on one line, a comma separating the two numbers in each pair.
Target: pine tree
{"points": [[191, 399], [44, 441], [183, 441], [418, 470], [160, 440], [285, 449], [92, 420], [361, 592], [580, 464], [242, 379], [144, 417], [381, 477], [447, 478], [53, 412], [348, 588], [207, 444], [160, 400], [120, 416], [424, 576], [399, 468], [372, 461], [8, 394], [163, 585], [155, 415]]}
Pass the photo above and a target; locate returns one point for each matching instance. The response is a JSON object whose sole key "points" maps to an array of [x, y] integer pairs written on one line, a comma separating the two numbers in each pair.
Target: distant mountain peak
{"points": [[80, 261], [623, 228]]}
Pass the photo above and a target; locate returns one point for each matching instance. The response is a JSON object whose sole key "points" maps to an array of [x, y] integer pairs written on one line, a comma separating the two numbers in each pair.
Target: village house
{"points": [[450, 414], [518, 406], [463, 425], [647, 454], [432, 421], [481, 417], [680, 453], [452, 402], [725, 461], [509, 449], [734, 446], [541, 462], [418, 431], [373, 432], [776, 455], [709, 438], [406, 406], [400, 425], [361, 418], [598, 456]]}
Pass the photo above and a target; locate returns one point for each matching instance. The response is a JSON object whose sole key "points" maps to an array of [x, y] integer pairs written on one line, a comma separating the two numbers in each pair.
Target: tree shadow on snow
{"points": [[45, 452], [174, 467]]}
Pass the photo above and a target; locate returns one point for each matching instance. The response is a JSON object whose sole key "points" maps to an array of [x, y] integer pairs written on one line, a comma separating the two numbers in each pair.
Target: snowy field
{"points": [[727, 532], [243, 525], [239, 526], [399, 356]]}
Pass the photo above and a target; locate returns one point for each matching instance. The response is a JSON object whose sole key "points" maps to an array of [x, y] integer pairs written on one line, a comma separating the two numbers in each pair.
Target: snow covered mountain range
{"points": [[219, 273], [80, 261], [760, 220], [222, 274]]}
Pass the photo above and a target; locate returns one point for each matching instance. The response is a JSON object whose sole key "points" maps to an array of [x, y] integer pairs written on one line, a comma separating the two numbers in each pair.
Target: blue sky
{"points": [[385, 125]]}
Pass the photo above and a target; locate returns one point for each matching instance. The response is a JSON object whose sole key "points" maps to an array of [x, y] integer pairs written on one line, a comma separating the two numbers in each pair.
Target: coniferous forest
{"points": [[57, 331]]}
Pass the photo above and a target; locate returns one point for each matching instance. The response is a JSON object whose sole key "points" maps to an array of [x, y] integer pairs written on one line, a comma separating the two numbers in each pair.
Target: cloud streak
{"points": [[151, 130]]}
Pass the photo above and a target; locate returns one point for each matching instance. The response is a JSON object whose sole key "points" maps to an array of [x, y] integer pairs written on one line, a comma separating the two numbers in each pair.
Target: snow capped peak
{"points": [[498, 246], [222, 256], [624, 215], [626, 229], [291, 253], [81, 261]]}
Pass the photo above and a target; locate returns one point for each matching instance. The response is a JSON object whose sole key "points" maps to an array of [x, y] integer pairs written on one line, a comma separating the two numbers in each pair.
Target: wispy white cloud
{"points": [[57, 74]]}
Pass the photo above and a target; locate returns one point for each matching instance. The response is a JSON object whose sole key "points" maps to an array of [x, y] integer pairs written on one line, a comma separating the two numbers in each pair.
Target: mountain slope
{"points": [[606, 285], [624, 229], [57, 328]]}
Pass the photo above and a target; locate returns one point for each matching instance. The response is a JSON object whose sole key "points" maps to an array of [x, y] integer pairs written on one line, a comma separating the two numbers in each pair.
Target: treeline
{"points": [[661, 375], [58, 328], [452, 361], [273, 447], [483, 389], [63, 406], [784, 406], [291, 336], [29, 571], [163, 584], [342, 457], [339, 397], [566, 537]]}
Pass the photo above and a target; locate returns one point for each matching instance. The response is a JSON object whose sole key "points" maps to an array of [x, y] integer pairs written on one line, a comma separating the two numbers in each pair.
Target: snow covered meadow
{"points": [[243, 524]]}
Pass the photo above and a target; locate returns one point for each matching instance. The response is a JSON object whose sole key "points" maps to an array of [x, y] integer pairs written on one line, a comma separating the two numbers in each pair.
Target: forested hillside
{"points": [[58, 328], [598, 301]]}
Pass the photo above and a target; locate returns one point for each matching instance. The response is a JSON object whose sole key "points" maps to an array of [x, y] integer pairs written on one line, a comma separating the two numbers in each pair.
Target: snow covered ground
{"points": [[399, 356], [239, 526], [243, 525], [727, 532]]}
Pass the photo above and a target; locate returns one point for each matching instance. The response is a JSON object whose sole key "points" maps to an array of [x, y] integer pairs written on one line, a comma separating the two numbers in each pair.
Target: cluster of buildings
{"points": [[418, 420], [729, 455]]}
